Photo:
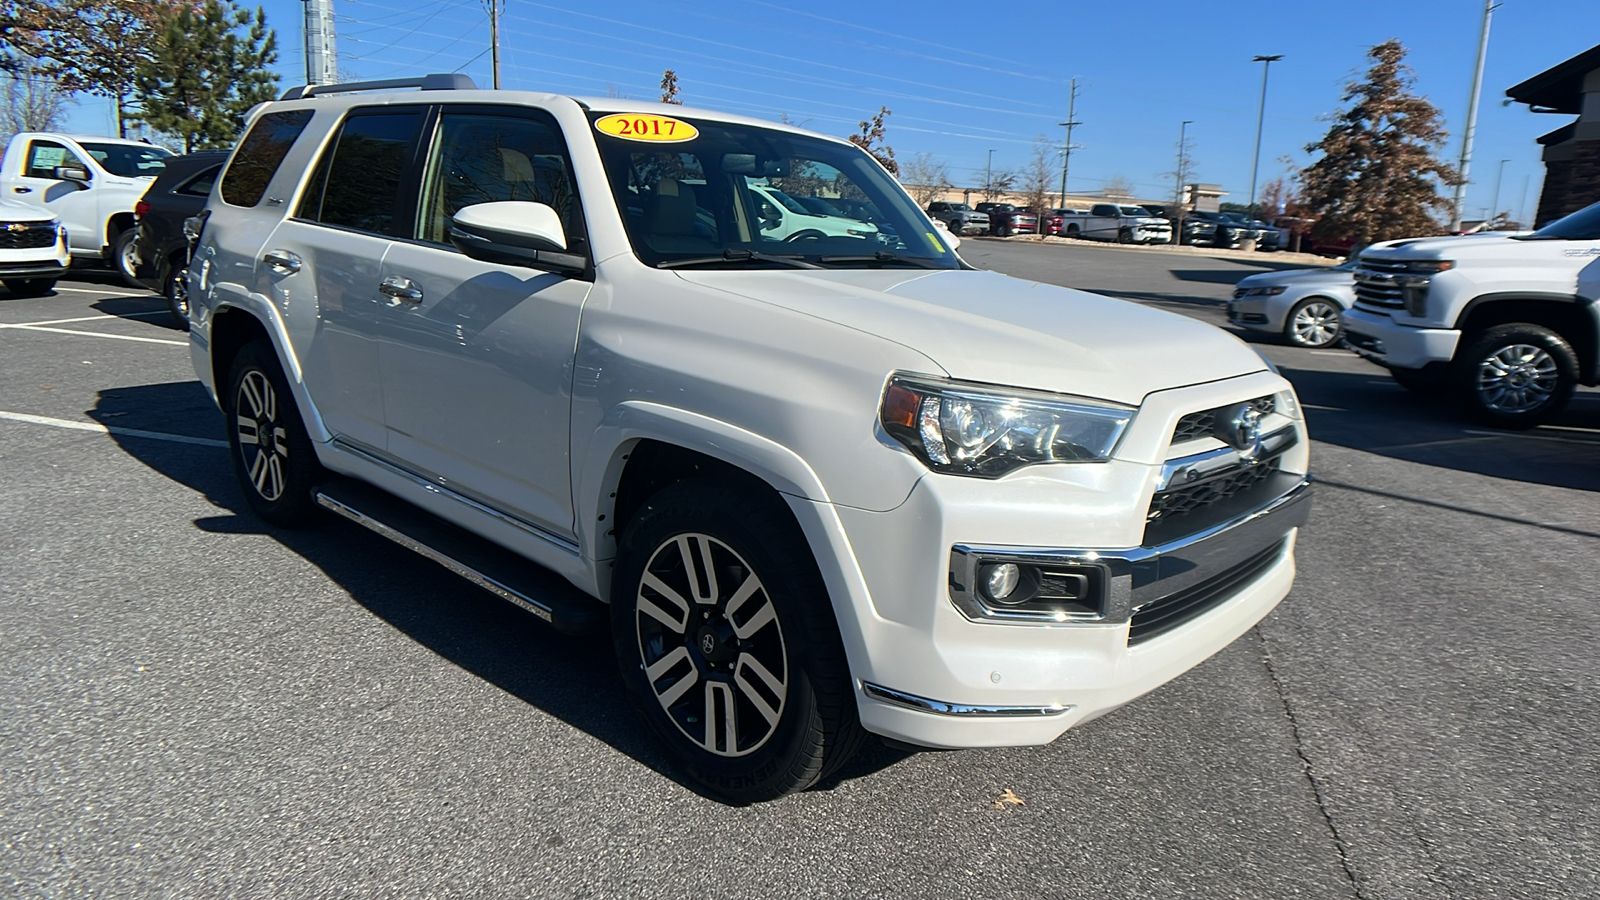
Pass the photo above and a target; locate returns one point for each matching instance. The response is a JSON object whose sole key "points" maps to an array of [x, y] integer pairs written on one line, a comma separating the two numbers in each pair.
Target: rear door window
{"points": [[260, 154], [362, 181]]}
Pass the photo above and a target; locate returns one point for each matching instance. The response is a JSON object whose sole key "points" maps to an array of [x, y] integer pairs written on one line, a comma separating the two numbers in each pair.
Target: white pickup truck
{"points": [[1509, 324], [1120, 222], [90, 184], [822, 485]]}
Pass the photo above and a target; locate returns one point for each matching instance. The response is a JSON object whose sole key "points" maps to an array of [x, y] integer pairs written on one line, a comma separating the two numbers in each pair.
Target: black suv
{"points": [[180, 191]]}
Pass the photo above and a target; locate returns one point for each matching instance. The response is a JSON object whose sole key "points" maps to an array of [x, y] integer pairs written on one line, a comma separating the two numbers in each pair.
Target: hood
{"points": [[1323, 275], [992, 328], [1431, 247], [16, 211]]}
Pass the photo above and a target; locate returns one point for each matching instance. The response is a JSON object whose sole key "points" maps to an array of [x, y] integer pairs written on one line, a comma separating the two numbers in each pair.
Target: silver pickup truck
{"points": [[1120, 222]]}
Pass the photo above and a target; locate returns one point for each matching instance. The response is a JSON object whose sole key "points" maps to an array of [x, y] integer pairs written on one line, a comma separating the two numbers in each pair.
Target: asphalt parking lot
{"points": [[193, 704]]}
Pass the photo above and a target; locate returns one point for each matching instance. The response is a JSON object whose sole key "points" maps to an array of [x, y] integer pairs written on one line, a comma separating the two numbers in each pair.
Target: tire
{"points": [[177, 294], [30, 287], [125, 257], [1124, 236], [278, 479], [1314, 322], [1516, 375], [1072, 231], [785, 682]]}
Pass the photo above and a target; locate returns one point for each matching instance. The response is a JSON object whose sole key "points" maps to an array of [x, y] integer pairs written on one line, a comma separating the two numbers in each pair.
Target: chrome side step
{"points": [[487, 565]]}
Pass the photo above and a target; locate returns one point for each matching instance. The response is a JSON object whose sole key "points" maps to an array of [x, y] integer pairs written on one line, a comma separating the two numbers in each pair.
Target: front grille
{"points": [[28, 237], [1197, 425], [1384, 294], [1166, 505], [1167, 613]]}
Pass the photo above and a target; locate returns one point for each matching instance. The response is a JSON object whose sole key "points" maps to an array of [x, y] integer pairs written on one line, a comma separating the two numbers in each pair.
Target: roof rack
{"points": [[452, 81]]}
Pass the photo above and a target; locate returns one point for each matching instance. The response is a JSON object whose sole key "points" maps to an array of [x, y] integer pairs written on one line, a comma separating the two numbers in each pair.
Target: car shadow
{"points": [[573, 679], [1368, 411], [147, 308]]}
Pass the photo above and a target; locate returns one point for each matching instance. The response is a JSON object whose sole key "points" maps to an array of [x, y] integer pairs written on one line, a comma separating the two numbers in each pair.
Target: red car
{"points": [[1006, 219]]}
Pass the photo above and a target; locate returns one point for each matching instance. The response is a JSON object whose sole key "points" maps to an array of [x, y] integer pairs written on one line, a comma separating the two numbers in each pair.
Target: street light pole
{"points": [[988, 177], [1177, 200], [1261, 115], [1494, 205], [1066, 151], [1472, 118]]}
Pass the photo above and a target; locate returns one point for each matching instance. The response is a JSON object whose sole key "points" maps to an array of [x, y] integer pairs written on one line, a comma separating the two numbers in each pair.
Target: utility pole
{"points": [[494, 40], [988, 177], [1066, 151], [1522, 206], [322, 58], [1472, 117], [1177, 235], [1261, 115], [1494, 205]]}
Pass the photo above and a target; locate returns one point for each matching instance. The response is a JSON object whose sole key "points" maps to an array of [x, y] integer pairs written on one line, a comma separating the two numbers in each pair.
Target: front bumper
{"points": [[1378, 338], [928, 674]]}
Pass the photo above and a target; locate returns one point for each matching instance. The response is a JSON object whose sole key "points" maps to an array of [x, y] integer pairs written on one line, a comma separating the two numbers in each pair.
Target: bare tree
{"points": [[997, 182], [925, 178], [1118, 187], [34, 102], [1038, 177]]}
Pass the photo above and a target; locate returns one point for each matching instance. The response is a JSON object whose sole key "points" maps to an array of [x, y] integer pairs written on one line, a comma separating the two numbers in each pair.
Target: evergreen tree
{"points": [[208, 68], [1379, 175]]}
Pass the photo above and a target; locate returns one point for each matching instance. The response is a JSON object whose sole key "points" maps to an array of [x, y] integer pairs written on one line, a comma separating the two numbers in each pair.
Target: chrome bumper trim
{"points": [[1136, 576], [939, 707], [1202, 467]]}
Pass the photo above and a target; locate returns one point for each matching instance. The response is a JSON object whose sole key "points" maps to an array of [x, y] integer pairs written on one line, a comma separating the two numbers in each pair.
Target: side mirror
{"points": [[514, 233], [73, 174]]}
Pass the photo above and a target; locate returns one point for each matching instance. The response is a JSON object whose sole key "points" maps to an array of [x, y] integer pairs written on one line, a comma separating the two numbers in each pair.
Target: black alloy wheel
{"points": [[177, 294], [725, 637], [273, 459]]}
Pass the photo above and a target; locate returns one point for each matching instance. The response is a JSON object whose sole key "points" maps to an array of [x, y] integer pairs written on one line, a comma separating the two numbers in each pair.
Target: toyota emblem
{"points": [[708, 643], [1239, 426]]}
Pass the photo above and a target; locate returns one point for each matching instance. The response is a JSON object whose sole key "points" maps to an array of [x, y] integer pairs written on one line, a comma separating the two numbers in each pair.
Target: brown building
{"points": [[1571, 152]]}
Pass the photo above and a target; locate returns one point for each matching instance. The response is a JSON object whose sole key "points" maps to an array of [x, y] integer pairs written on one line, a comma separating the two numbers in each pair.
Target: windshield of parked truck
{"points": [[1583, 225], [746, 196], [1135, 211], [129, 160]]}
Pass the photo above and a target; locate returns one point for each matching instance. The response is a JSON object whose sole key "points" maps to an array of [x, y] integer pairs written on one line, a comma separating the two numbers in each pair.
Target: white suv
{"points": [[829, 486]]}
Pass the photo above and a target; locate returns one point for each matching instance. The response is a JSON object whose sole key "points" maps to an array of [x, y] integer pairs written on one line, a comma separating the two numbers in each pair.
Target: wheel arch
{"points": [[117, 224], [1575, 318], [229, 328]]}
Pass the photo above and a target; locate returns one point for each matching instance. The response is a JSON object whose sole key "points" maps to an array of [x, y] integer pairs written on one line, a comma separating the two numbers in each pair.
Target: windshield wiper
{"points": [[736, 255], [882, 256]]}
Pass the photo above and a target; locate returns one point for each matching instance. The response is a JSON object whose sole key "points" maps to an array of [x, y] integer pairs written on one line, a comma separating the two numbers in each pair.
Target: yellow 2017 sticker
{"points": [[646, 127]]}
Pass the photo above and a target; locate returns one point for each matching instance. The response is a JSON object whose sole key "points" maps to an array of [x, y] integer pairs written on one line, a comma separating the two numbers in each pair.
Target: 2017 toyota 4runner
{"points": [[819, 485], [1509, 324]]}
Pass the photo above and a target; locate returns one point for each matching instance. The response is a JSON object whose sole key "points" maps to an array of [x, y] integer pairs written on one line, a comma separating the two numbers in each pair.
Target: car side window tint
{"points": [[487, 157], [199, 185], [45, 156], [260, 154], [359, 180]]}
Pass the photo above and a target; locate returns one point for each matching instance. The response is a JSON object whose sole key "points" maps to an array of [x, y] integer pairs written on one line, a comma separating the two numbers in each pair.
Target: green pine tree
{"points": [[206, 72]]}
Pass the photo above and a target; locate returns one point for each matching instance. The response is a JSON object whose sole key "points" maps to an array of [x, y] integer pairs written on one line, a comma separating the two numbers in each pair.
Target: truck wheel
{"points": [[1516, 376], [177, 293], [1124, 236], [125, 256], [1072, 231], [29, 287], [726, 639], [272, 453], [1314, 322]]}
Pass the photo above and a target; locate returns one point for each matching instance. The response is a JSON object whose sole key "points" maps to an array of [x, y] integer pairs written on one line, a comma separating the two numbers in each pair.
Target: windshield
{"points": [[1135, 211], [129, 160], [741, 193], [1583, 225]]}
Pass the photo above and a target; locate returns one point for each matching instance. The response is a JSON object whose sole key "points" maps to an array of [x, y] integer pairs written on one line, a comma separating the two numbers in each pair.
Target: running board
{"points": [[482, 562]]}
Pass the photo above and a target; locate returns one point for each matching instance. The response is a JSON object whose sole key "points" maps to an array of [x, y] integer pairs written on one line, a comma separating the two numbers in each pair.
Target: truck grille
{"points": [[1375, 287], [1168, 504], [1169, 612], [26, 236], [1197, 425]]}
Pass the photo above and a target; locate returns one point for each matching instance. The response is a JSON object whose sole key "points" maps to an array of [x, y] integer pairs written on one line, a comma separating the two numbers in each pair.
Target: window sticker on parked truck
{"points": [[646, 127]]}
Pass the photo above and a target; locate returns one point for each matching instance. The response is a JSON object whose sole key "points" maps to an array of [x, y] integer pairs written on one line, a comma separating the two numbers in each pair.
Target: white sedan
{"points": [[1306, 306]]}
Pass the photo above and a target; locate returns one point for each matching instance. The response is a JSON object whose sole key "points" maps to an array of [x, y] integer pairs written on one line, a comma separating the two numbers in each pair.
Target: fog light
{"points": [[1000, 581]]}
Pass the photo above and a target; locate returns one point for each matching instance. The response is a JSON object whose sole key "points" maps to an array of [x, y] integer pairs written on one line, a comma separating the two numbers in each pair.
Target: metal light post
{"points": [[1066, 151], [988, 177], [1472, 118], [1494, 205], [1177, 236], [1261, 115]]}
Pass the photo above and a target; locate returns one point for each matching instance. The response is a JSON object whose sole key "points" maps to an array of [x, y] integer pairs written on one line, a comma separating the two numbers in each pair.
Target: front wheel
{"points": [[1314, 322], [1516, 376], [1124, 236], [725, 637], [125, 256], [272, 454], [30, 287]]}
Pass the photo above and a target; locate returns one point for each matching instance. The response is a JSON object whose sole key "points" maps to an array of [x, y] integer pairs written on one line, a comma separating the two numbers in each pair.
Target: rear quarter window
{"points": [[260, 154]]}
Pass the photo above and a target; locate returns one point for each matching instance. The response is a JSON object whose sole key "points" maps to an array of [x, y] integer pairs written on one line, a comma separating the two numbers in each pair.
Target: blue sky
{"points": [[962, 79]]}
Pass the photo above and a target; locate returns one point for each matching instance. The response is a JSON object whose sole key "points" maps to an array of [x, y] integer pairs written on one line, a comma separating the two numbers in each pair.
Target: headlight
{"points": [[1429, 266], [968, 429]]}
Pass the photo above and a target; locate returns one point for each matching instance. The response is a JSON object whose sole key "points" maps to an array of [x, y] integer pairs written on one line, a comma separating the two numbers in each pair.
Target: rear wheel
{"points": [[727, 641], [29, 287], [177, 293], [272, 454], [1516, 376], [125, 256], [1314, 322]]}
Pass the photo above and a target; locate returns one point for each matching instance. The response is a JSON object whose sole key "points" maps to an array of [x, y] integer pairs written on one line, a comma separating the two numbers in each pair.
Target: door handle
{"points": [[23, 190], [402, 289], [282, 261]]}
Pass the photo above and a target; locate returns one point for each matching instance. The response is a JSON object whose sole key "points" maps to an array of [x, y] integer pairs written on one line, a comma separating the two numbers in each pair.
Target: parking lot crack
{"points": [[1309, 769]]}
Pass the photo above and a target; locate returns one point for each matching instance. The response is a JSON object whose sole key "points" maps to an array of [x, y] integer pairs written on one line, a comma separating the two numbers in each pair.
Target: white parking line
{"points": [[109, 429], [1332, 353], [152, 312], [115, 337], [131, 292]]}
